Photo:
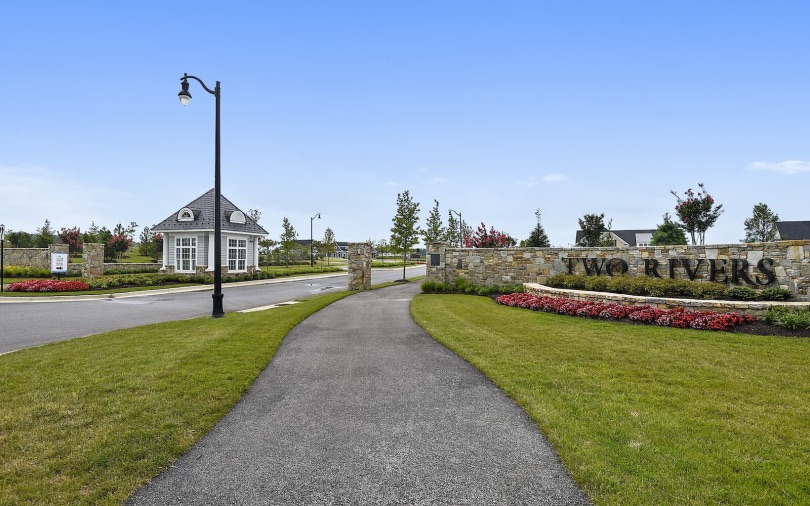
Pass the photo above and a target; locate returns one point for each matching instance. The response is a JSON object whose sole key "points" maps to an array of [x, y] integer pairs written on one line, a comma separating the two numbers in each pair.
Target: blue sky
{"points": [[494, 109]]}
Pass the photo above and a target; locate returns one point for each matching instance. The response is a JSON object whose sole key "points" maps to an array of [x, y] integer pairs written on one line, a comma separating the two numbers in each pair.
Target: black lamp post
{"points": [[185, 98], [2, 257], [311, 241], [460, 229]]}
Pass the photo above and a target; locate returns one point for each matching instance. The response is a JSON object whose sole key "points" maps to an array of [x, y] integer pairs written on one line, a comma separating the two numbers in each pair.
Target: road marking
{"points": [[271, 306]]}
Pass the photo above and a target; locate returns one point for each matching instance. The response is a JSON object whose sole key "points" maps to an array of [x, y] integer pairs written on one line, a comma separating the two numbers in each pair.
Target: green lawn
{"points": [[646, 415], [88, 421]]}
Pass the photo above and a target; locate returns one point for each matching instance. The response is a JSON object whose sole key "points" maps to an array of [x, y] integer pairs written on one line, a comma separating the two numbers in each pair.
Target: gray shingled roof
{"points": [[793, 230], [628, 236], [203, 209]]}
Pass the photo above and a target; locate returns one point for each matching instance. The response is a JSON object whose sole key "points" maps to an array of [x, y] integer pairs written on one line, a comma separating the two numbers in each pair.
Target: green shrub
{"points": [[742, 293], [776, 293]]}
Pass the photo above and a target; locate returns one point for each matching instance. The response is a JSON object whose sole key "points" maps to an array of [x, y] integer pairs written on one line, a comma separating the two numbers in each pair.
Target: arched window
{"points": [[238, 217], [185, 214]]}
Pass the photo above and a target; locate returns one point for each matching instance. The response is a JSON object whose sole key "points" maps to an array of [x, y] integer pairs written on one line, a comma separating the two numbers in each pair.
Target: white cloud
{"points": [[788, 167], [391, 183], [422, 169], [554, 178], [438, 180], [548, 178]]}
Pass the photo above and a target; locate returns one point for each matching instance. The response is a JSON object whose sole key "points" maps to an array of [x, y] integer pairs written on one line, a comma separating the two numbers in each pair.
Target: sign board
{"points": [[59, 263]]}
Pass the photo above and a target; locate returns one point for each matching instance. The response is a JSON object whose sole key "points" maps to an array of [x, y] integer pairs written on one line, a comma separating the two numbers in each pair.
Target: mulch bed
{"points": [[757, 328]]}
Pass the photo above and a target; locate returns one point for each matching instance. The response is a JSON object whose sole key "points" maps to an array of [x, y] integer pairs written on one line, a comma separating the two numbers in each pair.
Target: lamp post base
{"points": [[218, 312]]}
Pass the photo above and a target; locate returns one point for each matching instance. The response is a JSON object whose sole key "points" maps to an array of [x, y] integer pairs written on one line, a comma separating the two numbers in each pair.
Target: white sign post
{"points": [[59, 264]]}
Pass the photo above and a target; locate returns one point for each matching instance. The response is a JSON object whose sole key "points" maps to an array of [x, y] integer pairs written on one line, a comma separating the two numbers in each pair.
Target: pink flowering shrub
{"points": [[47, 285], [678, 317]]}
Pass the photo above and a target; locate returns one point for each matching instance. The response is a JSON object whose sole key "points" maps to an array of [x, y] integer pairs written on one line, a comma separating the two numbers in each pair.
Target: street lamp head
{"points": [[318, 216], [184, 95]]}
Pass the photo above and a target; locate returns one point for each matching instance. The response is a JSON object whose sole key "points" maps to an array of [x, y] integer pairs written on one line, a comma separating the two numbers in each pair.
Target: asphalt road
{"points": [[27, 324], [360, 406]]}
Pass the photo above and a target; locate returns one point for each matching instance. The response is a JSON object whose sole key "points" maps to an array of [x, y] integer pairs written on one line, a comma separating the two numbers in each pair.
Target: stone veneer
{"points": [[503, 266], [359, 255]]}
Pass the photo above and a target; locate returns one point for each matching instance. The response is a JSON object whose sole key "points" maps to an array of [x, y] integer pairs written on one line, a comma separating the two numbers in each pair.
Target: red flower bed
{"points": [[678, 317], [47, 285]]}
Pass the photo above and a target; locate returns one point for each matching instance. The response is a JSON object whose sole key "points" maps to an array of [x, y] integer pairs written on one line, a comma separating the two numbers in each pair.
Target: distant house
{"points": [[341, 248], [625, 238], [792, 230], [188, 237]]}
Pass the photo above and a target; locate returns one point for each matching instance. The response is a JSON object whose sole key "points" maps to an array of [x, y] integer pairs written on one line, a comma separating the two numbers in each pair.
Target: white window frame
{"points": [[185, 214], [188, 244], [237, 254]]}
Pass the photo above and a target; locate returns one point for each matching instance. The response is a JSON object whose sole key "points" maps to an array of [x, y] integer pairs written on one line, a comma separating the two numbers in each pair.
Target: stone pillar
{"points": [[436, 265], [359, 254], [92, 260]]}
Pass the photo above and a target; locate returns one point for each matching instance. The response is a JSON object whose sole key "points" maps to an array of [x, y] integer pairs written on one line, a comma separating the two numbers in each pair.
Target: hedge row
{"points": [[665, 287]]}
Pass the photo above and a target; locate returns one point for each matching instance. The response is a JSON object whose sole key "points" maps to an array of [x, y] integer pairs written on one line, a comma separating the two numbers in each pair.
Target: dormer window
{"points": [[238, 217], [185, 214]]}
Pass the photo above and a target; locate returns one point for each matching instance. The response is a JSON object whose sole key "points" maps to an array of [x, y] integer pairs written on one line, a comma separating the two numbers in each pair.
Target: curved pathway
{"points": [[361, 406]]}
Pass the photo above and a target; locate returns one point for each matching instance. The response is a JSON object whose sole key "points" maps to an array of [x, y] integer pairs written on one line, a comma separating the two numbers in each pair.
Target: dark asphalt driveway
{"points": [[361, 406]]}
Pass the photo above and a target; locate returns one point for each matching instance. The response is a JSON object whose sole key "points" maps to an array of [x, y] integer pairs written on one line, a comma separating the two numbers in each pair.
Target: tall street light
{"points": [[185, 98], [2, 256], [460, 232], [311, 241]]}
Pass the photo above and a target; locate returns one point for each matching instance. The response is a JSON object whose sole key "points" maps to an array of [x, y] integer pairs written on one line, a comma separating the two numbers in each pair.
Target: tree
{"points": [[328, 243], [697, 213], [668, 233], [452, 232], [538, 237], [45, 236], [594, 231], [254, 214], [147, 245], [71, 237], [761, 226], [127, 231], [20, 239], [406, 231], [119, 243], [434, 230], [288, 237], [490, 239]]}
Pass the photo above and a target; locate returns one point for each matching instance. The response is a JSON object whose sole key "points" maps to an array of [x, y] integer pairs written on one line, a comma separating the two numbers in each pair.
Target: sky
{"points": [[492, 108]]}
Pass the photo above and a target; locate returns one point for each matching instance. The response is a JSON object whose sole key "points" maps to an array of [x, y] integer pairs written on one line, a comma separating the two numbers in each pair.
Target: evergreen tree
{"points": [[538, 237], [452, 232], [405, 232], [254, 214], [761, 227], [45, 236], [434, 230], [668, 233], [288, 237]]}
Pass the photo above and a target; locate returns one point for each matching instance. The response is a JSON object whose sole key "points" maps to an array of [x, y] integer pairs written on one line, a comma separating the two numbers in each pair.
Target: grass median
{"points": [[88, 421], [646, 415]]}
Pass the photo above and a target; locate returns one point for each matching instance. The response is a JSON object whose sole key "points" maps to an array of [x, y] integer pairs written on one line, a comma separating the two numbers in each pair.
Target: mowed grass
{"points": [[646, 415], [88, 421]]}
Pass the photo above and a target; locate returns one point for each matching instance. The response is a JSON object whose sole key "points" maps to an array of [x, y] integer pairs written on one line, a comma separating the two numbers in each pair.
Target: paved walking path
{"points": [[360, 406]]}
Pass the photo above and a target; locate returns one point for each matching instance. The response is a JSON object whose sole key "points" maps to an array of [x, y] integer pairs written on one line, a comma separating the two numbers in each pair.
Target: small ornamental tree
{"points": [[697, 213], [486, 239], [328, 243], [254, 214], [405, 232], [71, 237], [761, 227], [668, 233], [119, 243]]}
